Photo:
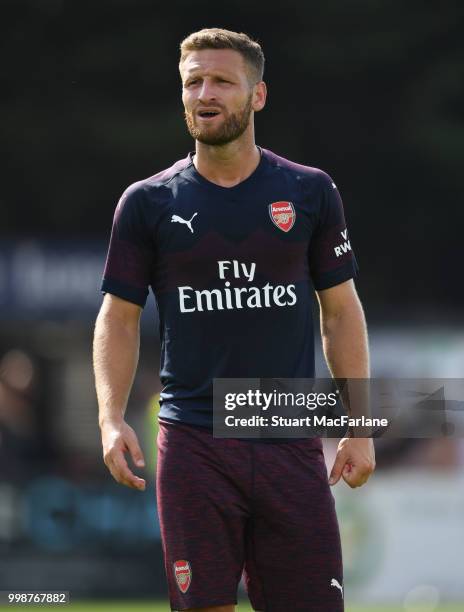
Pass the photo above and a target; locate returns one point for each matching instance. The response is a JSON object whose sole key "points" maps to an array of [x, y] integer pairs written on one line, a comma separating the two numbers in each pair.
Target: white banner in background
{"points": [[403, 537]]}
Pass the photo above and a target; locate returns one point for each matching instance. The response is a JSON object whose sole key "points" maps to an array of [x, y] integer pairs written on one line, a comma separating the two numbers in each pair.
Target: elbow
{"points": [[330, 323], [350, 316]]}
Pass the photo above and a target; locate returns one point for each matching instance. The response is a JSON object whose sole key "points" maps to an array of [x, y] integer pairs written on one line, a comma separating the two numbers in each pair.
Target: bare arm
{"points": [[343, 331], [344, 340], [115, 358]]}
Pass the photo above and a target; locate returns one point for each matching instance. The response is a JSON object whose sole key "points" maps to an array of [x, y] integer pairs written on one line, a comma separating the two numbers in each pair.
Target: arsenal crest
{"points": [[183, 575], [282, 215]]}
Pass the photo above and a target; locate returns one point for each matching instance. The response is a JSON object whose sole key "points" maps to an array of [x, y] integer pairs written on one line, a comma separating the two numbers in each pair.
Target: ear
{"points": [[259, 96]]}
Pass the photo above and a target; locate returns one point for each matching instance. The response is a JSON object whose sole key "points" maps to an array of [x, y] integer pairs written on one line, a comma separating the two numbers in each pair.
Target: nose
{"points": [[206, 93]]}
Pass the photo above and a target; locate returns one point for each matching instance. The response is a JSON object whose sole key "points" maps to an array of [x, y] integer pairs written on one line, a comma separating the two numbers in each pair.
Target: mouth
{"points": [[207, 114]]}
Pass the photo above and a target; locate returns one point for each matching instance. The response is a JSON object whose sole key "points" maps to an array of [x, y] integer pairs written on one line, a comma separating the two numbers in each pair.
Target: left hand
{"points": [[355, 461]]}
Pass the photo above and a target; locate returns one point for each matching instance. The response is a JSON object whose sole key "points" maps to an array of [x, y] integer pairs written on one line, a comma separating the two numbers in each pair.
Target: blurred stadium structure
{"points": [[369, 92]]}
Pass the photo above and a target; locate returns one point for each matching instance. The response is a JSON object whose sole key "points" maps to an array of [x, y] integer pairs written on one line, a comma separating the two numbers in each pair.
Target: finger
{"points": [[135, 450], [129, 479], [337, 468], [122, 474], [355, 477]]}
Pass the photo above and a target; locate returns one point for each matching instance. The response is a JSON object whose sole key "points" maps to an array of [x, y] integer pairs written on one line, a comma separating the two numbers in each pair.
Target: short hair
{"points": [[218, 38]]}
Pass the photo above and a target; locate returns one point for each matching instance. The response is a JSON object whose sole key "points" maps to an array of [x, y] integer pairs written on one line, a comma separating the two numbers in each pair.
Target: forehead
{"points": [[211, 61]]}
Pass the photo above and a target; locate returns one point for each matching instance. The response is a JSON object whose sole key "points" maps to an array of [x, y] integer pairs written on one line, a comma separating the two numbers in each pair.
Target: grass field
{"points": [[160, 606]]}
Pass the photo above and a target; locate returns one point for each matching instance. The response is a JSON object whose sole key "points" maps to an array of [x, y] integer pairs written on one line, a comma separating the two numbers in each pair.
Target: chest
{"points": [[203, 241], [251, 222]]}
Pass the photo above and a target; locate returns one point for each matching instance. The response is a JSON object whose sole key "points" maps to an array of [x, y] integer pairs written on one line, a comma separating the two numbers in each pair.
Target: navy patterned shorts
{"points": [[229, 506]]}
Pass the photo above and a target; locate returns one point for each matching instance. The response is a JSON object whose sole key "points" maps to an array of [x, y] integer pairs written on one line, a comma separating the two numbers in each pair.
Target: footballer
{"points": [[235, 242]]}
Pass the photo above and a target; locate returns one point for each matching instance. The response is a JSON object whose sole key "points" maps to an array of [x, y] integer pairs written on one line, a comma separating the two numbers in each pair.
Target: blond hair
{"points": [[218, 38]]}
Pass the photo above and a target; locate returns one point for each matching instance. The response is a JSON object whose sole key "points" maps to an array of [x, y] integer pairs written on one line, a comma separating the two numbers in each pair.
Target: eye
{"points": [[192, 82]]}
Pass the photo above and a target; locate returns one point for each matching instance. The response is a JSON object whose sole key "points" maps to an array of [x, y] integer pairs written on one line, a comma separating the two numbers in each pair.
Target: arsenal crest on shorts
{"points": [[183, 575], [282, 215]]}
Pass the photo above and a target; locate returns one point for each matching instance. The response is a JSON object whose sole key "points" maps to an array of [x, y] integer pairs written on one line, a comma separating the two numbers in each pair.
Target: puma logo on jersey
{"points": [[341, 249], [337, 585], [177, 219]]}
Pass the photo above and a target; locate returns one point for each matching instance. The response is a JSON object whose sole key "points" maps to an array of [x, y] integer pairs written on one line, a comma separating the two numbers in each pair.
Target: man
{"points": [[231, 240]]}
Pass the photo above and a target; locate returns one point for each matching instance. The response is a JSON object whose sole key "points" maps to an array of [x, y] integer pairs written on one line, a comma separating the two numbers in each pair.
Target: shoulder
{"points": [[315, 184], [298, 171], [142, 201], [159, 184]]}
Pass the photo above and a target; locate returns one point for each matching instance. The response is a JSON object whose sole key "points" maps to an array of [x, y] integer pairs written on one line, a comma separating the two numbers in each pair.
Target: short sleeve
{"points": [[130, 253], [331, 257]]}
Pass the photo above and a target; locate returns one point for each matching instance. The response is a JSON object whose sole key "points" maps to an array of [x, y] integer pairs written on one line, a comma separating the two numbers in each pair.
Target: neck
{"points": [[229, 164]]}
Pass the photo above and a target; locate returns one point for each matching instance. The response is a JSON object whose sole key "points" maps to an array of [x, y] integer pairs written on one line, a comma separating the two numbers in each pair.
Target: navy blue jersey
{"points": [[233, 271]]}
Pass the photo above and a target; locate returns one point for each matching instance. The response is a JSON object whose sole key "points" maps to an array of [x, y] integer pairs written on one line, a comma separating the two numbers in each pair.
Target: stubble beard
{"points": [[230, 129]]}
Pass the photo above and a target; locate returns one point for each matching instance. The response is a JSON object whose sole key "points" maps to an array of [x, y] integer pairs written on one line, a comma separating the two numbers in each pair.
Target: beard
{"points": [[229, 130]]}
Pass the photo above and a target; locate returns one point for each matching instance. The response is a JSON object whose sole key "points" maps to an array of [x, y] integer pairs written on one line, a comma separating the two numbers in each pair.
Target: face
{"points": [[218, 96]]}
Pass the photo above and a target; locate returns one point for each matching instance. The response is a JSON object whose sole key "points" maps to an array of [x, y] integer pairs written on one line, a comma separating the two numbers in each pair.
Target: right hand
{"points": [[118, 439]]}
